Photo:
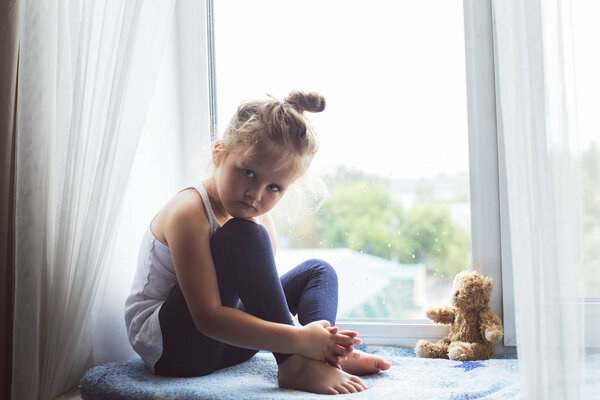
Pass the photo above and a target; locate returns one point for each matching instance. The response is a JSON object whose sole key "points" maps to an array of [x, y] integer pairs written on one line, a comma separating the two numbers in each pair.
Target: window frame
{"points": [[486, 237]]}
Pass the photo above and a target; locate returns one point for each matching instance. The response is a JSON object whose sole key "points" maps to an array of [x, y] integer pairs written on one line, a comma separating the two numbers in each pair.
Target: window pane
{"points": [[393, 138], [587, 64]]}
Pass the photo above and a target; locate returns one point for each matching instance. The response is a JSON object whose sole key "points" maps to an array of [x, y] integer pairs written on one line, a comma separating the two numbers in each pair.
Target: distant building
{"points": [[370, 286]]}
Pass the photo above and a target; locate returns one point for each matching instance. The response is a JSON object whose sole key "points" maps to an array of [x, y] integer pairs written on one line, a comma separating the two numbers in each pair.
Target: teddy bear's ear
{"points": [[487, 284]]}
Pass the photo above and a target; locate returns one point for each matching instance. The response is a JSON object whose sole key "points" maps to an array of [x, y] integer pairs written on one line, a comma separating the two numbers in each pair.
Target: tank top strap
{"points": [[214, 223]]}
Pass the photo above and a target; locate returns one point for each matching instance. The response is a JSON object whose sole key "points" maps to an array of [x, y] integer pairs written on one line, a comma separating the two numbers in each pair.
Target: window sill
{"points": [[403, 333], [395, 333]]}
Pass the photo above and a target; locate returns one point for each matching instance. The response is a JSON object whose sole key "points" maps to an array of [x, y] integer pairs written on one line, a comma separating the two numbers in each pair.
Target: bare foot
{"points": [[314, 376], [360, 363]]}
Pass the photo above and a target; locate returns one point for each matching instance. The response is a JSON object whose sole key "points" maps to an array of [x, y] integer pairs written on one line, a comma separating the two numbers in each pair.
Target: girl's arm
{"points": [[187, 234]]}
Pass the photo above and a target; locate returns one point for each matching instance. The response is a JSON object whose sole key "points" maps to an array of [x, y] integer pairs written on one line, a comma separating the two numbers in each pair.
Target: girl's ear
{"points": [[218, 153]]}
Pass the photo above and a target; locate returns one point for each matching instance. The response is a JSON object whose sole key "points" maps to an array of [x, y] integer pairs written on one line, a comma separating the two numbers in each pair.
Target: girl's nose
{"points": [[253, 194]]}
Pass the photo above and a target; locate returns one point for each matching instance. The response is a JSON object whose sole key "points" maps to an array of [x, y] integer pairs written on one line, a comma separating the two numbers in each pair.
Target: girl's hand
{"points": [[319, 343], [352, 334]]}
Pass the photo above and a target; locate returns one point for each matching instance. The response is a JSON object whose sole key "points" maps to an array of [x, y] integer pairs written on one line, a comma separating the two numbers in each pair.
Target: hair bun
{"points": [[301, 101]]}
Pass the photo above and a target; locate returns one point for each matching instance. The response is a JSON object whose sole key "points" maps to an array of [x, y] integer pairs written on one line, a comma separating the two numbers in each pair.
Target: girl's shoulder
{"points": [[183, 212]]}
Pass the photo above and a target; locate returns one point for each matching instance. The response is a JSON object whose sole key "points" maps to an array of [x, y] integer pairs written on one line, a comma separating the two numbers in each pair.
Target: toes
{"points": [[359, 381], [349, 386], [341, 389], [382, 364], [332, 391], [357, 386]]}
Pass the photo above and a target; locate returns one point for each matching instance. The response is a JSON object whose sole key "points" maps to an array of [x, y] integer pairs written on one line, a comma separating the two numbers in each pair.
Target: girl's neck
{"points": [[213, 196]]}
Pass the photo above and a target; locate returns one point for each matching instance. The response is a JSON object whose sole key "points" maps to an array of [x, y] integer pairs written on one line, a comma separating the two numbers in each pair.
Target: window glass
{"points": [[393, 138], [587, 86]]}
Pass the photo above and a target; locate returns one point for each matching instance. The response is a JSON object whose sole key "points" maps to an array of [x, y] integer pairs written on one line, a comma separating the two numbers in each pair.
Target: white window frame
{"points": [[484, 181]]}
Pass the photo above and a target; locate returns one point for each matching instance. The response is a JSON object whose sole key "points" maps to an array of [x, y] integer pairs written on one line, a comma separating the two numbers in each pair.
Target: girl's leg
{"points": [[186, 351], [311, 291], [243, 256], [243, 259], [247, 275]]}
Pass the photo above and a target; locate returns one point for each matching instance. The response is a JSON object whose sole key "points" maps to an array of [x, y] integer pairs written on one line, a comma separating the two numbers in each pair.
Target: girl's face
{"points": [[248, 188]]}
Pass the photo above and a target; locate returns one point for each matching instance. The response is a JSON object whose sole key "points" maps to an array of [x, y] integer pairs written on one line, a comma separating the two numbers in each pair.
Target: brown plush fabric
{"points": [[474, 328]]}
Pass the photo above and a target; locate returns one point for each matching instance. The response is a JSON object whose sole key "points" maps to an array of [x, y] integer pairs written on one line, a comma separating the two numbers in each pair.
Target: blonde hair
{"points": [[266, 127]]}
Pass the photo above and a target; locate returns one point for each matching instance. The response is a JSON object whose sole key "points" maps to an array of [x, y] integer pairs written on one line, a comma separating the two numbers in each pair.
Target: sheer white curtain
{"points": [[174, 151], [86, 75], [538, 136]]}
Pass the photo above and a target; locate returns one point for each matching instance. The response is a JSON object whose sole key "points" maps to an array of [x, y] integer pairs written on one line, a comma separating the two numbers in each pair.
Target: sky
{"points": [[586, 33], [392, 73]]}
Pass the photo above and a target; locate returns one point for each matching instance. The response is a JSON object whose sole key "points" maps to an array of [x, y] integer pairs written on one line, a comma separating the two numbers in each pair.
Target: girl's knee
{"points": [[239, 228], [323, 268], [240, 240]]}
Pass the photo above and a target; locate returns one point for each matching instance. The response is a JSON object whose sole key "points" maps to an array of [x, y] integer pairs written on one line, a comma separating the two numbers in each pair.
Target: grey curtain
{"points": [[9, 51]]}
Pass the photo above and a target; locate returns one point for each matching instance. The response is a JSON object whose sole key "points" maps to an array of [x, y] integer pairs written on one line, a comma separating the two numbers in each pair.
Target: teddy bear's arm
{"points": [[441, 315], [491, 326]]}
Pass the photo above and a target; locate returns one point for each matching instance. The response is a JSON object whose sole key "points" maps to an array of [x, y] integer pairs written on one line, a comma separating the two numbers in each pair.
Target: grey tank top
{"points": [[153, 281]]}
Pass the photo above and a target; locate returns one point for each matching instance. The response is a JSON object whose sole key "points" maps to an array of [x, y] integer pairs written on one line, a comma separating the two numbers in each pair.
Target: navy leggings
{"points": [[248, 280]]}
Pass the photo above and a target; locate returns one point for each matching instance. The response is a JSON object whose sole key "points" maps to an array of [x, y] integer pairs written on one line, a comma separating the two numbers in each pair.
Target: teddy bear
{"points": [[474, 328]]}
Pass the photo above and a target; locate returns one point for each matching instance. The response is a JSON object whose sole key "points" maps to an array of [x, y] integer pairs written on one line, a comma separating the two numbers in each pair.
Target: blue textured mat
{"points": [[408, 378]]}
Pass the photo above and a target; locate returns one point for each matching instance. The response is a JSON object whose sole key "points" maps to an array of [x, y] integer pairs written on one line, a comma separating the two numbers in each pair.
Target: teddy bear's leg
{"points": [[483, 351], [463, 351], [426, 349]]}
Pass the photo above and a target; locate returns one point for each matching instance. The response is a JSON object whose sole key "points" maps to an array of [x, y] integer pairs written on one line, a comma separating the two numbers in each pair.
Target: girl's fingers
{"points": [[343, 339], [343, 351], [353, 335], [332, 329]]}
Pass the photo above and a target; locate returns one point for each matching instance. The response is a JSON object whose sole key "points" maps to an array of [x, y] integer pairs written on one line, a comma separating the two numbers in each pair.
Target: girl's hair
{"points": [[265, 127]]}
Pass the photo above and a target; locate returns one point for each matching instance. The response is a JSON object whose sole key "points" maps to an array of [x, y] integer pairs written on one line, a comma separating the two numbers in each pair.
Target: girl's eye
{"points": [[248, 173], [274, 188]]}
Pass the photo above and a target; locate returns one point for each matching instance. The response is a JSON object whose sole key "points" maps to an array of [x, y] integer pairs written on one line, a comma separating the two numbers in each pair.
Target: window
{"points": [[587, 87], [394, 150]]}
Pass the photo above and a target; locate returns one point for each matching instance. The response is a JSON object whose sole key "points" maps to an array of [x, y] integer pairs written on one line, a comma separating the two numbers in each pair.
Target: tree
{"points": [[362, 215]]}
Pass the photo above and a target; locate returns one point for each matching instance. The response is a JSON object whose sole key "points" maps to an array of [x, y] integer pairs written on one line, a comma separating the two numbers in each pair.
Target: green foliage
{"points": [[363, 215]]}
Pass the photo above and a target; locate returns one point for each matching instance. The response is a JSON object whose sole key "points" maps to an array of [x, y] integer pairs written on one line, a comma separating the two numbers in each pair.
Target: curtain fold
{"points": [[9, 48], [86, 75], [538, 131]]}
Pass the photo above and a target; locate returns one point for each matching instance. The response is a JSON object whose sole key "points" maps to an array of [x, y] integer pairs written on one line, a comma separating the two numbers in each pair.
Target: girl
{"points": [[207, 294]]}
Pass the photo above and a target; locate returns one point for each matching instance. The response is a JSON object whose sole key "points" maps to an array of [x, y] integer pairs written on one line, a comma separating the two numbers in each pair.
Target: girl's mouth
{"points": [[246, 205]]}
